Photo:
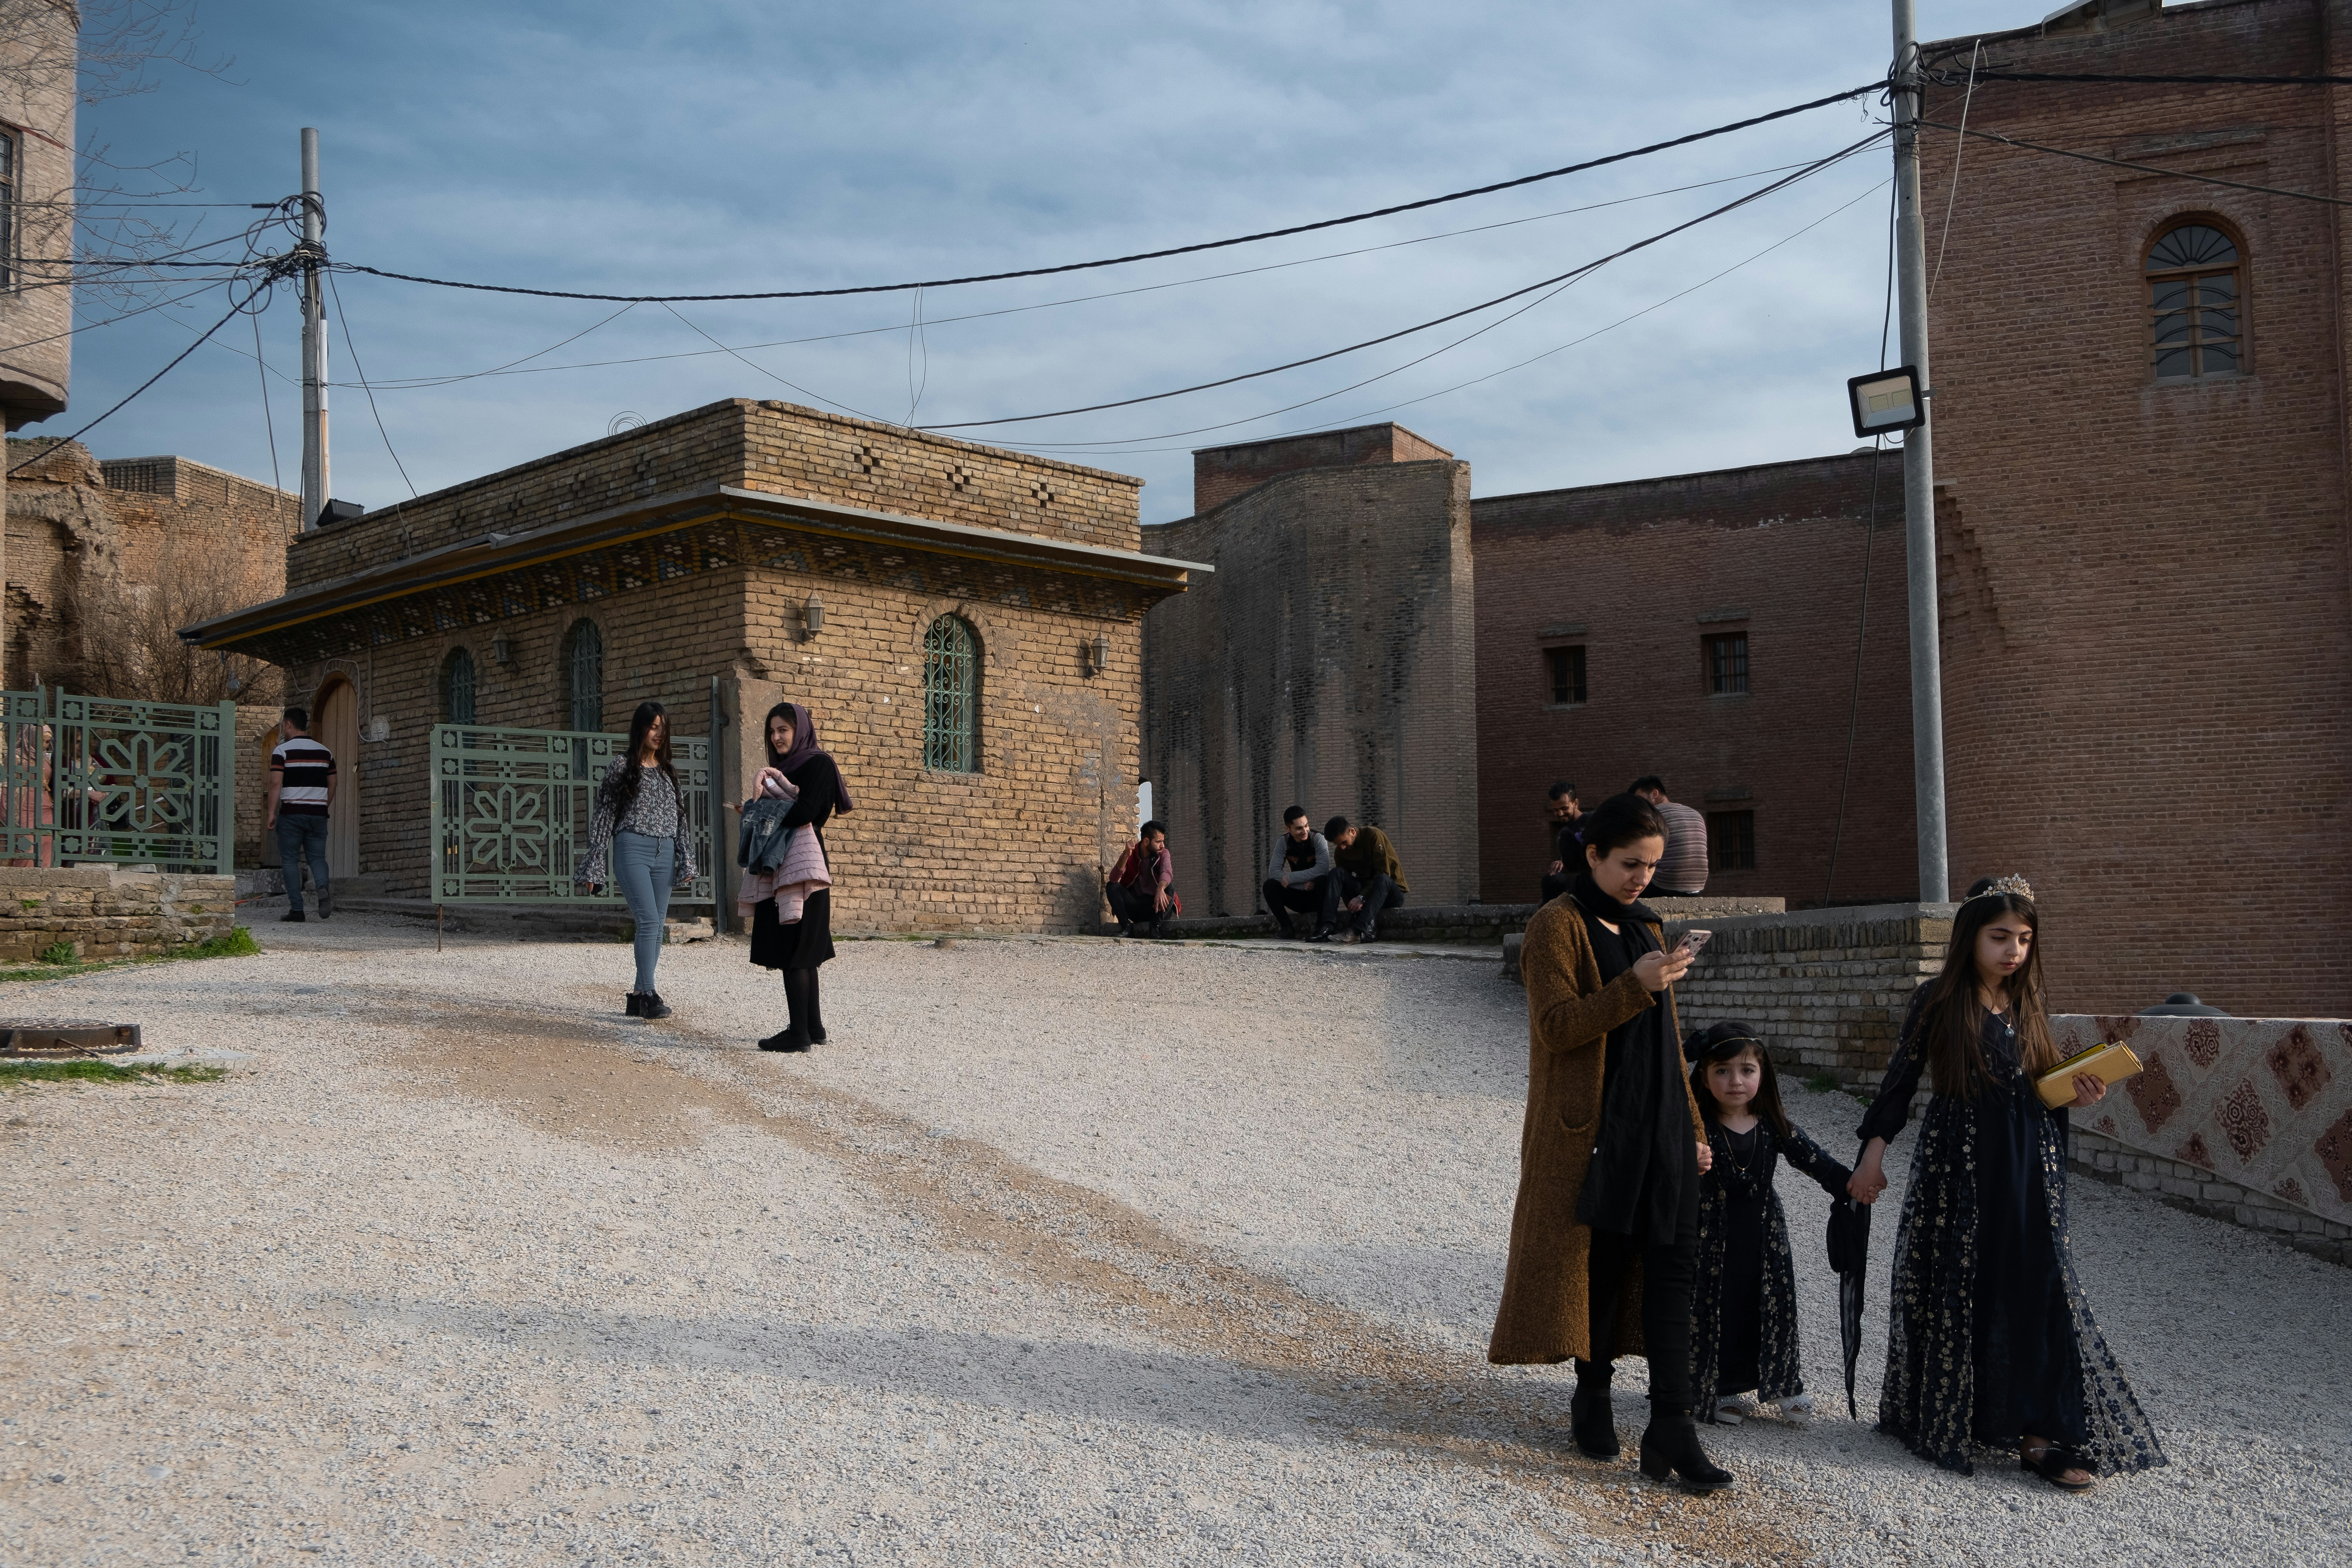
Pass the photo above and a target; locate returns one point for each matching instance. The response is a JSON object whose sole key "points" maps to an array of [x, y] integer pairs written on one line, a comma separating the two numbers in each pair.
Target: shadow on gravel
{"points": [[1310, 1360]]}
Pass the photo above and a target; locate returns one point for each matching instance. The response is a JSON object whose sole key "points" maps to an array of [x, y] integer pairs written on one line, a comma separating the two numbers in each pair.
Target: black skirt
{"points": [[803, 944]]}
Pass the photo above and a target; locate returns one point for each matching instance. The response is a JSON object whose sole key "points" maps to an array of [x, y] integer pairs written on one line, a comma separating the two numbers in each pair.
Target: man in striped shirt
{"points": [[301, 791]]}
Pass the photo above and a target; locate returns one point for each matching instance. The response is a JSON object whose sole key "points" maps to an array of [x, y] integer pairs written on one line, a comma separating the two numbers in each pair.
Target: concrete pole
{"points": [[1918, 472], [314, 340]]}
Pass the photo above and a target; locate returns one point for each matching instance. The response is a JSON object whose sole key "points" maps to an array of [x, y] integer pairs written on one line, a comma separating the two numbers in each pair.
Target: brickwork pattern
{"points": [[1221, 473], [774, 447], [1327, 664], [2148, 680], [1637, 574], [36, 361], [103, 912]]}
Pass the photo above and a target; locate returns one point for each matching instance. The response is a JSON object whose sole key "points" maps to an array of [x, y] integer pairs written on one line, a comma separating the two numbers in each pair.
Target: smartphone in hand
{"points": [[1693, 941]]}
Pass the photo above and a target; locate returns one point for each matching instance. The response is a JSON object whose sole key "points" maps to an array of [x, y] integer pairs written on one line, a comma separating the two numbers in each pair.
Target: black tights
{"points": [[800, 999], [1668, 1274]]}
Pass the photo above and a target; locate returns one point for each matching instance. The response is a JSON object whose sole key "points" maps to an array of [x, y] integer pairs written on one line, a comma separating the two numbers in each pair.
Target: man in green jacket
{"points": [[1371, 877]]}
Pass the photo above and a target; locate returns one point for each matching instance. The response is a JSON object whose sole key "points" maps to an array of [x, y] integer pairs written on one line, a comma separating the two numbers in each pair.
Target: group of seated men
{"points": [[1346, 870]]}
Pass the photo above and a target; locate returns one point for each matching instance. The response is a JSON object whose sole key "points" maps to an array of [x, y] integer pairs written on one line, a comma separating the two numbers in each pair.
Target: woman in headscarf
{"points": [[792, 922]]}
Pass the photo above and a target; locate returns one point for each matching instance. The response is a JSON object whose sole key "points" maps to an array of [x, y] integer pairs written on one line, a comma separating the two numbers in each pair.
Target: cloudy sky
{"points": [[721, 145]]}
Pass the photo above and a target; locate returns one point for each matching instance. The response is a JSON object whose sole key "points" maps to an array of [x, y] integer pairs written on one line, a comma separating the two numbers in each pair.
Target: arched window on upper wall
{"points": [[583, 677], [2196, 294], [457, 688], [951, 697]]}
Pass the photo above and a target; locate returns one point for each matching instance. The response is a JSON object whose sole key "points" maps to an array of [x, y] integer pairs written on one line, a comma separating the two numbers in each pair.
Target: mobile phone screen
{"points": [[1694, 941]]}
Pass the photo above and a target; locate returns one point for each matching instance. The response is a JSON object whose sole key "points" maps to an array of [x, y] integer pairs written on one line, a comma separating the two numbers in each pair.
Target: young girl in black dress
{"points": [[1988, 1336], [1744, 1311]]}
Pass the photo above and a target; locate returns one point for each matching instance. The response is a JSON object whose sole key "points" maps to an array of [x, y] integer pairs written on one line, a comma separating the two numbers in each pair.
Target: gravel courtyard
{"points": [[1058, 1251]]}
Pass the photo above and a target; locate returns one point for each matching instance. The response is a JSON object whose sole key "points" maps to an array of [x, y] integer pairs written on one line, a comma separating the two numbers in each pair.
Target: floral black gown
{"points": [[1988, 1333], [1744, 1311]]}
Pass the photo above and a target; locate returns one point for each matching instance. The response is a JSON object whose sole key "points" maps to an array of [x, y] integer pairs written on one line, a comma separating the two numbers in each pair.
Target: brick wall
{"points": [[2148, 680], [1636, 575], [1221, 473], [36, 92], [1327, 664], [774, 447]]}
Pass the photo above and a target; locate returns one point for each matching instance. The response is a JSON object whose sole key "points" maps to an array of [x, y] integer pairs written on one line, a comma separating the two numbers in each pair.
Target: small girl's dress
{"points": [[1744, 1311]]}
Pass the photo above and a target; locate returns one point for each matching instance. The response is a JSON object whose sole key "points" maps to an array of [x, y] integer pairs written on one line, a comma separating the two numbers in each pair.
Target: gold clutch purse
{"points": [[2111, 1062]]}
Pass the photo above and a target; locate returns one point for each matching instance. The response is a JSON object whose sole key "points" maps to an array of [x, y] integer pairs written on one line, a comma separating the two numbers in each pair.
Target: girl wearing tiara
{"points": [[1744, 1311], [1989, 1338]]}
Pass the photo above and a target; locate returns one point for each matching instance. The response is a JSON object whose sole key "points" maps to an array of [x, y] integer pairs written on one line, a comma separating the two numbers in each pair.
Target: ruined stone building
{"points": [[964, 622], [2145, 555]]}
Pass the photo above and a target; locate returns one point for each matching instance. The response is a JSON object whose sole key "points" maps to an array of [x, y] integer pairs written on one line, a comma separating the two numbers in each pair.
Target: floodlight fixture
{"points": [[1887, 401]]}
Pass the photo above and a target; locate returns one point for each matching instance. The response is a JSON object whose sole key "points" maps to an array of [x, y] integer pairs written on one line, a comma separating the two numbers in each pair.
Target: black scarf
{"points": [[1644, 1157]]}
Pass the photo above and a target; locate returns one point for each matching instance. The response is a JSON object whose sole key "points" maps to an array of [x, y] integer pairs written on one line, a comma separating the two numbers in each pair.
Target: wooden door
{"points": [[336, 724]]}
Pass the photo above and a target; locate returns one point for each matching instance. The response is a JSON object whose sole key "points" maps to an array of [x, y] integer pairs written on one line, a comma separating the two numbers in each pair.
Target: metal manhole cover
{"points": [[66, 1038]]}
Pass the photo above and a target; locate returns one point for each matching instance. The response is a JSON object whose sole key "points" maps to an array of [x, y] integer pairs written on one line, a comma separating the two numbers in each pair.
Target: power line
{"points": [[771, 374], [269, 426], [362, 371], [1560, 280], [1144, 255], [2142, 168]]}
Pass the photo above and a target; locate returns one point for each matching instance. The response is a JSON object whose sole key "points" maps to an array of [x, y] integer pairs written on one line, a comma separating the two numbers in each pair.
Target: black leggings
{"points": [[800, 1000], [1668, 1273]]}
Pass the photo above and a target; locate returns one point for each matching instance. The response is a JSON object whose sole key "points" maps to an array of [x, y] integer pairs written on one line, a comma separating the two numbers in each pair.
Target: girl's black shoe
{"points": [[786, 1041], [651, 1006], [1592, 1420], [1670, 1447], [636, 1007]]}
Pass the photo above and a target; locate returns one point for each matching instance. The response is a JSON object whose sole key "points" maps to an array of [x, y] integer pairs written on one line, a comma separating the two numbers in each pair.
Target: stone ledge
{"points": [[106, 913]]}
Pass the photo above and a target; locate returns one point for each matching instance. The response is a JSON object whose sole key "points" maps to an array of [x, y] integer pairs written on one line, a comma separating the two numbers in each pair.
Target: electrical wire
{"points": [[1146, 254], [406, 384], [1555, 282], [2142, 168], [771, 374], [1953, 195], [361, 370], [269, 426]]}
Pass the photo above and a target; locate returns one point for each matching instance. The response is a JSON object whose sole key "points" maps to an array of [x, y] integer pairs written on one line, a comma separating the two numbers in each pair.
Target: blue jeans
{"points": [[643, 868], [301, 838]]}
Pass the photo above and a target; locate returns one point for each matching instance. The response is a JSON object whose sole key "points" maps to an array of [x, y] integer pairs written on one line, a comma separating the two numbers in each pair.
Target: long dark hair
{"points": [[1721, 1043], [622, 787], [1620, 820], [1951, 1024]]}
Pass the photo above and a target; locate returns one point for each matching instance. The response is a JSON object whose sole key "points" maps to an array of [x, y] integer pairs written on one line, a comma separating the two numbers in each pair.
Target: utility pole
{"points": [[314, 339], [1919, 472]]}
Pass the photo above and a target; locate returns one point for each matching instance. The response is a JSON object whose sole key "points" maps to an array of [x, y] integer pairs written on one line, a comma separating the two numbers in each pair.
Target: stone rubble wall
{"points": [[104, 912]]}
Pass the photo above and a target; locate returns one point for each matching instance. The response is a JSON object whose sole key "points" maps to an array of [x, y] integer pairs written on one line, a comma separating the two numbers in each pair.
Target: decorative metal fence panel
{"points": [[511, 810], [90, 779]]}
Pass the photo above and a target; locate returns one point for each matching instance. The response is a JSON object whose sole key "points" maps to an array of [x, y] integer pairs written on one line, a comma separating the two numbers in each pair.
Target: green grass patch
{"points": [[86, 1069], [58, 961], [1823, 1083]]}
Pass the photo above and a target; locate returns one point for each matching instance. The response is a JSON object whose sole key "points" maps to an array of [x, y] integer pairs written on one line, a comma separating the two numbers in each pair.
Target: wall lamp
{"points": [[1094, 656], [812, 617], [501, 651]]}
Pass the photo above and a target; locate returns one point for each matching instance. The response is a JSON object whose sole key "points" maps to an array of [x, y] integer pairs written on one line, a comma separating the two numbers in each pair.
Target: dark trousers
{"points": [[1554, 883], [1668, 1274], [1321, 896], [1379, 893], [1130, 907], [301, 837]]}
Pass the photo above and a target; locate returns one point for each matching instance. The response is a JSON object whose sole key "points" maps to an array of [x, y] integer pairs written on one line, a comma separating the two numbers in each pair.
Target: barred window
{"points": [[1731, 840], [951, 697], [1566, 666], [2194, 291], [457, 688], [7, 209], [584, 676], [1727, 663]]}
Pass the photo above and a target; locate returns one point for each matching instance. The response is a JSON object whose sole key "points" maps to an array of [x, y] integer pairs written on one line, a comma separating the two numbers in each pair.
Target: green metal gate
{"points": [[511, 807], [104, 779]]}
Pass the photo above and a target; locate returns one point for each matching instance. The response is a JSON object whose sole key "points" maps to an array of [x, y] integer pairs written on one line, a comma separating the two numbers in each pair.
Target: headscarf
{"points": [[804, 747]]}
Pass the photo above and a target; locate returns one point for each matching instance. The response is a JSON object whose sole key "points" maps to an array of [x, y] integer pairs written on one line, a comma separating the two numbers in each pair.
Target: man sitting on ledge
{"points": [[1298, 877], [1371, 878]]}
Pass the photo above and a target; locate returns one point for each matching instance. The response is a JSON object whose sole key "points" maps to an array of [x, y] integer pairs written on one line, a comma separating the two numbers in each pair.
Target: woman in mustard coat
{"points": [[1604, 1241]]}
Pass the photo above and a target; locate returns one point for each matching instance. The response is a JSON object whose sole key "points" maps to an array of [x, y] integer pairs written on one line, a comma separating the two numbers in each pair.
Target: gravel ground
{"points": [[1058, 1251]]}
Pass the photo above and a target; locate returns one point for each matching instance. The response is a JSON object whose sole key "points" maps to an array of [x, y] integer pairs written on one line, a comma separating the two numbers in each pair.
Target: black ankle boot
{"points": [[785, 1040], [650, 1007], [1670, 1447], [1592, 1420], [636, 1007]]}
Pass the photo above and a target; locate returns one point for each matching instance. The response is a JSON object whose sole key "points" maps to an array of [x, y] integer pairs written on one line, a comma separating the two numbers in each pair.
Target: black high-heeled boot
{"points": [[1670, 1447], [1592, 1420]]}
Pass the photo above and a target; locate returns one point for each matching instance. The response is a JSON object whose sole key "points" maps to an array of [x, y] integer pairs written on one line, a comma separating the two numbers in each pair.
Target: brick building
{"points": [[37, 62], [650, 564], [1327, 664], [2148, 675]]}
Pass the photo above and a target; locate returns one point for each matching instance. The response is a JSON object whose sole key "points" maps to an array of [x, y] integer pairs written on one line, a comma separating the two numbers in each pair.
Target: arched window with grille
{"points": [[457, 688], [951, 697], [584, 676], [2196, 294]]}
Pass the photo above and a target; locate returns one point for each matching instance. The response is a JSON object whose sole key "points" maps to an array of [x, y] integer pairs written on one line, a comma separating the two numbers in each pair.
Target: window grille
{"points": [[8, 210], [1727, 663], [584, 676], [457, 689], [1567, 664], [950, 698], [2193, 297], [1731, 840]]}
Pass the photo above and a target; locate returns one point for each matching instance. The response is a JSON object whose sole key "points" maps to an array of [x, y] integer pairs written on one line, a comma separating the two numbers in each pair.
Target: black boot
{"points": [[796, 1034], [1670, 1447], [636, 1007], [651, 1006], [810, 1011], [1590, 1419]]}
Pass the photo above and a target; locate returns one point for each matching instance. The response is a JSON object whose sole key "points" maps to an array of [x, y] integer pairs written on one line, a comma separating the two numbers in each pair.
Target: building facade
{"points": [[964, 623]]}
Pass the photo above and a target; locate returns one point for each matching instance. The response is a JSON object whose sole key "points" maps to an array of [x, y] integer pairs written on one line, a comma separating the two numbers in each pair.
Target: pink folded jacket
{"points": [[803, 872]]}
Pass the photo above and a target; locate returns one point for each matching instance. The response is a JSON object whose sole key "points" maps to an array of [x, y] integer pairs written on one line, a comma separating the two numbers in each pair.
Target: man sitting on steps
{"points": [[1298, 877], [1370, 877]]}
